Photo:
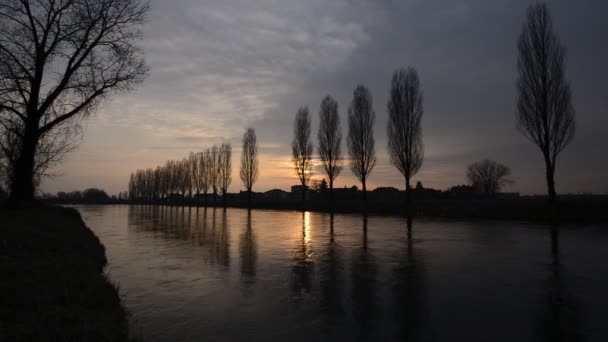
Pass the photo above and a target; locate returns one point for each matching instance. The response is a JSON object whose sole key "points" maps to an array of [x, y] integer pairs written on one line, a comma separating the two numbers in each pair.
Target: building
{"points": [[296, 191], [277, 195]]}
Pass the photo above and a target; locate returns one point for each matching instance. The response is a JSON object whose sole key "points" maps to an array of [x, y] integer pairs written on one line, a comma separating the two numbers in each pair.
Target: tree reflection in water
{"points": [[410, 302], [302, 263], [331, 273], [364, 288], [174, 223], [560, 319], [249, 255]]}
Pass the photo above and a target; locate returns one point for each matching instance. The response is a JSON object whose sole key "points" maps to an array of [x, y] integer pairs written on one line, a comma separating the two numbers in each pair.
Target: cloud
{"points": [[221, 65]]}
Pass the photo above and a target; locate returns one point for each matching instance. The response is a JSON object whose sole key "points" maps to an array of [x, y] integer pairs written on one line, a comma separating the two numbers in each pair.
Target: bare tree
{"points": [[488, 176], [249, 161], [195, 184], [58, 60], [301, 148], [205, 165], [214, 175], [330, 140], [405, 109], [360, 140], [183, 176], [545, 112], [225, 169]]}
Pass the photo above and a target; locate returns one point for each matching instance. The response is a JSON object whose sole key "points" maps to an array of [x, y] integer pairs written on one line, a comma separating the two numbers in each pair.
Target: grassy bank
{"points": [[53, 286]]}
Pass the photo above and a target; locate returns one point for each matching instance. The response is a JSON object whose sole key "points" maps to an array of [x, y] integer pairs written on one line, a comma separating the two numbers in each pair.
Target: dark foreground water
{"points": [[215, 275]]}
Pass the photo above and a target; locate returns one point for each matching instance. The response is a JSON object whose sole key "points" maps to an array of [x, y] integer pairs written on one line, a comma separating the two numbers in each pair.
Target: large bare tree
{"points": [[405, 109], [249, 161], [545, 112], [330, 140], [58, 60], [488, 176], [301, 148], [360, 140]]}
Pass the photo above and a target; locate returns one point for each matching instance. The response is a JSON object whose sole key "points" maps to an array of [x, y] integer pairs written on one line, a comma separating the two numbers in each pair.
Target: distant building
{"points": [[243, 196], [507, 195], [296, 190], [346, 193], [385, 194], [277, 195], [462, 191]]}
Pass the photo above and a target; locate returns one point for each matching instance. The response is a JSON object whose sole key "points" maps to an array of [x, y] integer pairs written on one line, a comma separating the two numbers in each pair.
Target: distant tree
{"points": [[301, 148], [225, 169], [330, 140], [488, 176], [214, 174], [96, 196], [249, 162], [545, 112], [206, 165], [360, 141], [194, 181], [405, 109], [183, 176], [419, 186], [58, 61], [323, 186]]}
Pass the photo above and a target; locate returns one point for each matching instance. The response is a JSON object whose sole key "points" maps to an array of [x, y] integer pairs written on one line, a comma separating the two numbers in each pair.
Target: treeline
{"points": [[545, 116], [184, 181]]}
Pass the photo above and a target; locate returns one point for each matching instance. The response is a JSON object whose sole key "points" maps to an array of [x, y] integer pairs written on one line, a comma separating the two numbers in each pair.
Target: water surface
{"points": [[215, 275]]}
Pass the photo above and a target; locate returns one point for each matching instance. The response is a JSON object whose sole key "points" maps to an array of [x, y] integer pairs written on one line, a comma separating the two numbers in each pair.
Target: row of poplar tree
{"points": [[545, 115], [208, 172], [404, 133], [199, 173]]}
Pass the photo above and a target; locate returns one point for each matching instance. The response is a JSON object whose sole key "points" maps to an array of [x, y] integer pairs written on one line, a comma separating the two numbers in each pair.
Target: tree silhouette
{"points": [[197, 167], [214, 175], [330, 140], [488, 176], [301, 148], [249, 162], [360, 138], [405, 109], [58, 61], [545, 112], [225, 169], [204, 163]]}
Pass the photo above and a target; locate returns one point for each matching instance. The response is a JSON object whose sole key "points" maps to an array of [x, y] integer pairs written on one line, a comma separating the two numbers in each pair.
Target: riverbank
{"points": [[537, 209], [53, 285]]}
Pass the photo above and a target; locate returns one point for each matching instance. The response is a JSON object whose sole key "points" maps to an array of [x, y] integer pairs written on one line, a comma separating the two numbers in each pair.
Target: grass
{"points": [[53, 286]]}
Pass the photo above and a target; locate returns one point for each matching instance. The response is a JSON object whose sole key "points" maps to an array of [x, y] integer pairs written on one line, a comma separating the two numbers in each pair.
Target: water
{"points": [[215, 275]]}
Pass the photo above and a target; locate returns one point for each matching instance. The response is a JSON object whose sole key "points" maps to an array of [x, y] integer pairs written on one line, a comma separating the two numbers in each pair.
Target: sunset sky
{"points": [[220, 66]]}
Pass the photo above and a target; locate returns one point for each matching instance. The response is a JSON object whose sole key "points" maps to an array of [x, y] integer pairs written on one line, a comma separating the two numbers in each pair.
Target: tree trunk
{"points": [[331, 191], [22, 182], [364, 190], [408, 192], [550, 172], [249, 198]]}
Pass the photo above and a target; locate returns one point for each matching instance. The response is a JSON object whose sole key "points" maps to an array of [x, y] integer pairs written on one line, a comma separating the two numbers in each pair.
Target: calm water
{"points": [[216, 275]]}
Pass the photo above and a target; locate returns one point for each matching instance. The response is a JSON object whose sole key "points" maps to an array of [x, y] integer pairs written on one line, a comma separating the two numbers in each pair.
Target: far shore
{"points": [[576, 209]]}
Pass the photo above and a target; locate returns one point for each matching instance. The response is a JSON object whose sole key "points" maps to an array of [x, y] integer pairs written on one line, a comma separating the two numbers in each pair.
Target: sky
{"points": [[220, 66]]}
